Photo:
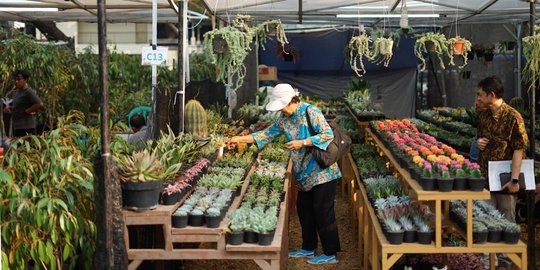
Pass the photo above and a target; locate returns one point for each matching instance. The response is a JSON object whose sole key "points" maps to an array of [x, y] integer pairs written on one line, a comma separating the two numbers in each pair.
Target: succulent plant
{"points": [[213, 212], [196, 119], [180, 212], [479, 226], [392, 225], [406, 223], [511, 227], [142, 166], [197, 211]]}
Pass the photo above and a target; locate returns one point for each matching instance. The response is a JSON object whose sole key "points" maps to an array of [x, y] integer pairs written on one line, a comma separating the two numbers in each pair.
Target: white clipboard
{"points": [[504, 166]]}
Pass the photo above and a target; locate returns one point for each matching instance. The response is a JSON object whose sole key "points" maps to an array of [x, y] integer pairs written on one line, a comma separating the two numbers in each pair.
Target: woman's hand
{"points": [[295, 145], [233, 142]]}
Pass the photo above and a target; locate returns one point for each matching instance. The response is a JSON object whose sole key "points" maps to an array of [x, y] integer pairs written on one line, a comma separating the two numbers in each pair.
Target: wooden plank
{"points": [[175, 238], [416, 191], [196, 254], [134, 264]]}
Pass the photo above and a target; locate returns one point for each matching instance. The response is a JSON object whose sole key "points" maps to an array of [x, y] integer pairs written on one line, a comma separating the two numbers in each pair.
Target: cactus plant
{"points": [[196, 119]]}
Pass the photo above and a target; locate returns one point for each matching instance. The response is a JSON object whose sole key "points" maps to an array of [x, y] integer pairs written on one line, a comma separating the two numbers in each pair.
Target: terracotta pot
{"points": [[459, 47]]}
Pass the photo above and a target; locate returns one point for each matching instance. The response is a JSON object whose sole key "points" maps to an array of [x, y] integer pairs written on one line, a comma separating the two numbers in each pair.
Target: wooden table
{"points": [[378, 253], [267, 257]]}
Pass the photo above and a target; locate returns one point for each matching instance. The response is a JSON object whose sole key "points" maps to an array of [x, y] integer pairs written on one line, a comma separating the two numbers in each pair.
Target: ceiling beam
{"points": [[339, 6], [396, 2], [245, 5], [444, 5], [77, 3], [480, 10]]}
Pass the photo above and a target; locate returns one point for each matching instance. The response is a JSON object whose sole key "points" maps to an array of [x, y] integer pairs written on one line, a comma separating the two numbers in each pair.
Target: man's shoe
{"points": [[302, 253], [324, 259]]}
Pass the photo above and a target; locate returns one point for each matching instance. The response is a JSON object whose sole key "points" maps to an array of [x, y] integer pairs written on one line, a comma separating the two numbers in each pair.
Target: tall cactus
{"points": [[196, 119]]}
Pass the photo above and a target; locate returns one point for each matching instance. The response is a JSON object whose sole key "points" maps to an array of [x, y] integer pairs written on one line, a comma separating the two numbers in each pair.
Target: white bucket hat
{"points": [[280, 97]]}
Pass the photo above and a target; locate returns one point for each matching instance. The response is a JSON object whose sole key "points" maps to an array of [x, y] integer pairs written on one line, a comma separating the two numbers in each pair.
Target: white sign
{"points": [[495, 168], [154, 57]]}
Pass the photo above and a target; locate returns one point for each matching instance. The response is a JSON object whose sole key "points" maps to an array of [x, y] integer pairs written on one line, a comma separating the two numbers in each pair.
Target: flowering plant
{"points": [[475, 170], [427, 170], [178, 186], [445, 174]]}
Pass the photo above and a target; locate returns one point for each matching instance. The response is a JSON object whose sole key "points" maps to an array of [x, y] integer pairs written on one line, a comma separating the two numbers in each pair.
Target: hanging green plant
{"points": [[358, 48], [269, 29], [230, 62], [431, 42], [244, 23], [531, 50], [382, 51], [460, 48]]}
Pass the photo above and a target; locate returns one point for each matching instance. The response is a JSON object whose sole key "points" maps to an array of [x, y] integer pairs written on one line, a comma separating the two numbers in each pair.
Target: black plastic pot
{"points": [[409, 237], [219, 44], [428, 183], [476, 184], [196, 220], [180, 221], [235, 238], [460, 183], [140, 196], [212, 222], [511, 238], [445, 185], [489, 57], [265, 239], [250, 237], [170, 199], [480, 237], [424, 238], [479, 53], [495, 236], [395, 238]]}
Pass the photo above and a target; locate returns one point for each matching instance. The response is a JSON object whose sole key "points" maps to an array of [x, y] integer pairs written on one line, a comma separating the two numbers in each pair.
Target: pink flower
{"points": [[457, 166], [453, 163], [443, 168], [427, 165]]}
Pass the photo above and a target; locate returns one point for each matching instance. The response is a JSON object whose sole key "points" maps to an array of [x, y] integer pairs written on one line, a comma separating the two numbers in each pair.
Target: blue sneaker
{"points": [[302, 253], [324, 259]]}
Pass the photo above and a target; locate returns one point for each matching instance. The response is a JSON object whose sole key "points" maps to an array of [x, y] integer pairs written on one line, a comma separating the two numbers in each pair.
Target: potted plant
{"points": [[495, 232], [410, 229], [196, 216], [180, 217], [431, 42], [269, 29], [460, 178], [479, 50], [359, 47], [172, 193], [235, 232], [266, 229], [476, 181], [382, 51], [427, 181], [287, 52], [230, 59], [445, 182], [511, 232], [490, 52], [460, 47], [212, 217], [244, 23], [394, 231], [480, 231], [424, 232], [141, 175]]}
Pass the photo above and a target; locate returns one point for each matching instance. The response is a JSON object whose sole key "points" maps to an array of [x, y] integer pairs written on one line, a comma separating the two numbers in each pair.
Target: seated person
{"points": [[138, 125]]}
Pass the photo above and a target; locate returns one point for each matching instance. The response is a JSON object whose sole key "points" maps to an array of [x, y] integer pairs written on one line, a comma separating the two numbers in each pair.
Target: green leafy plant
{"points": [[382, 51], [431, 41], [359, 47], [143, 166], [460, 47], [271, 28], [531, 50]]}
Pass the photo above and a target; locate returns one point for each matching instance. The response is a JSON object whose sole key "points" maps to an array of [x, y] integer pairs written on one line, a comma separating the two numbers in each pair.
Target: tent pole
{"points": [[154, 128], [531, 243], [182, 53]]}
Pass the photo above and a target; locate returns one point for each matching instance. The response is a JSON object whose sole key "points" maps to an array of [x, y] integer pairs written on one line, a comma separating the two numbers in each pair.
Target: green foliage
{"points": [[263, 31], [460, 173], [47, 204], [466, 49], [440, 48], [200, 68], [358, 49], [143, 166]]}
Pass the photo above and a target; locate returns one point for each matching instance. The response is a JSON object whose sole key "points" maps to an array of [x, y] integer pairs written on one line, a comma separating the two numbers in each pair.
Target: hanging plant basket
{"points": [[358, 49], [271, 28], [243, 23], [382, 51], [219, 44], [434, 43], [461, 48]]}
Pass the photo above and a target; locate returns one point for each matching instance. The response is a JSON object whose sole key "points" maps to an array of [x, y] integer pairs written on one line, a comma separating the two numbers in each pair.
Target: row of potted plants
{"points": [[368, 161], [458, 141], [447, 122], [400, 219], [489, 225], [172, 193], [359, 101], [204, 206], [428, 160]]}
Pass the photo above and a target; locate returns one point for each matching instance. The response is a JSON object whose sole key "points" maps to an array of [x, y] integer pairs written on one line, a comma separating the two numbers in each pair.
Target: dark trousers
{"points": [[316, 213], [23, 132]]}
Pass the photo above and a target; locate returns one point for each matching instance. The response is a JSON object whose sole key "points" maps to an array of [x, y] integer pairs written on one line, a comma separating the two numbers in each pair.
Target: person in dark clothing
{"points": [[24, 106], [139, 136]]}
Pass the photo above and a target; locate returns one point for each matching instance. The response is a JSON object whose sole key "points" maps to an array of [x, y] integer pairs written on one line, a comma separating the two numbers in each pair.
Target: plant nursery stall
{"points": [[398, 76]]}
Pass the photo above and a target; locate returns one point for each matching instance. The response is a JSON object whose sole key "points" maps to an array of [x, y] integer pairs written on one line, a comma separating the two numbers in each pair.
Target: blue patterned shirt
{"points": [[307, 171]]}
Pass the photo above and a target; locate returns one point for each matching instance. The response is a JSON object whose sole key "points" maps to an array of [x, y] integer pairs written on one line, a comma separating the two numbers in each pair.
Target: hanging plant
{"points": [[269, 29], [287, 53], [229, 62], [431, 43], [358, 48], [244, 23], [460, 47], [531, 50], [382, 51]]}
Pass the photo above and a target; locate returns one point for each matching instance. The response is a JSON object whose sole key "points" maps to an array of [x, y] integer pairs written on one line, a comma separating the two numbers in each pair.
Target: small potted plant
{"points": [[427, 180], [490, 53], [476, 180], [196, 216], [172, 193], [460, 178], [495, 232], [244, 23], [424, 232], [266, 229], [410, 229], [382, 51], [394, 231], [479, 50], [460, 47], [180, 217], [480, 231], [235, 232], [212, 217], [511, 232], [141, 175], [359, 47], [269, 29]]}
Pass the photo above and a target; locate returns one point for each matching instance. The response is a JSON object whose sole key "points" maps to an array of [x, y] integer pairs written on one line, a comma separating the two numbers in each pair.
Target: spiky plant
{"points": [[143, 166]]}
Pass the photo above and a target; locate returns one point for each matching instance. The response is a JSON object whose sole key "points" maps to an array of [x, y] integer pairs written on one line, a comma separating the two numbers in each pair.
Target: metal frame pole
{"points": [[531, 243]]}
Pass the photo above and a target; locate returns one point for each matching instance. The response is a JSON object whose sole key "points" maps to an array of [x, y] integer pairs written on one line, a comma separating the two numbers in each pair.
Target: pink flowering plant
{"points": [[445, 173], [427, 171]]}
